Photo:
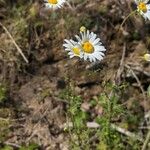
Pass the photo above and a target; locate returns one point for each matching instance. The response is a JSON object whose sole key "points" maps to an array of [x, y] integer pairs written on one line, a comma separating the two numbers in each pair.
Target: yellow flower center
{"points": [[52, 1], [76, 50], [88, 47], [142, 6]]}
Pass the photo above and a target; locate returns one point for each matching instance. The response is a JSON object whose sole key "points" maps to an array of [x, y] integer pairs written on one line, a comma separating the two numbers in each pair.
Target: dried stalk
{"points": [[13, 41]]}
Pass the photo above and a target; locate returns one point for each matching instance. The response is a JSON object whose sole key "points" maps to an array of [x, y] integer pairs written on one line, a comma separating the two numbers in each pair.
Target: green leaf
{"points": [[30, 147], [7, 148]]}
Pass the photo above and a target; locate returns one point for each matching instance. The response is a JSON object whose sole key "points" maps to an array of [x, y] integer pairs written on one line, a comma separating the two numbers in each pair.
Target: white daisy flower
{"points": [[143, 8], [73, 48], [90, 45], [54, 4]]}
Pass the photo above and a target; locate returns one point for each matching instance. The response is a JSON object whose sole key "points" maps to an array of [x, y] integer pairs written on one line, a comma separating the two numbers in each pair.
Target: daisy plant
{"points": [[143, 8], [54, 4], [86, 46], [90, 45], [73, 48]]}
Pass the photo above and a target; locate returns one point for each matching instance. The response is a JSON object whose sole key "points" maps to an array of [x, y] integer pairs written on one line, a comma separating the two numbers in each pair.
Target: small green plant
{"points": [[4, 130], [79, 133], [114, 114], [6, 147], [106, 137], [32, 146], [112, 111]]}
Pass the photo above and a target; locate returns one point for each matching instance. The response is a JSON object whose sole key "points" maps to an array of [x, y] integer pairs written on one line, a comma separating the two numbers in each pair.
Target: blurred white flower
{"points": [[143, 8], [90, 45], [73, 48], [147, 57], [54, 4]]}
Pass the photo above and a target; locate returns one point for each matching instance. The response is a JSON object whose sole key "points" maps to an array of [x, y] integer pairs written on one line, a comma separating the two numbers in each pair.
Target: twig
{"points": [[3, 50], [36, 125], [13, 41], [121, 68], [60, 100], [127, 133], [145, 128], [4, 119], [69, 5], [12, 144], [138, 81], [142, 71], [81, 5], [146, 141], [137, 68], [113, 126]]}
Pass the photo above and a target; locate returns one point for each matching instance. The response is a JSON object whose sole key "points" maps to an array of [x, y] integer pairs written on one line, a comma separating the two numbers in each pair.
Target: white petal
{"points": [[78, 38], [99, 57], [145, 1], [99, 48], [93, 37], [147, 15], [85, 57], [99, 53], [71, 56], [96, 41]]}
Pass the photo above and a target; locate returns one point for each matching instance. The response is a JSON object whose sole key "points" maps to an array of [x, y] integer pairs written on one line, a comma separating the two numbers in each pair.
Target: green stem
{"points": [[132, 13]]}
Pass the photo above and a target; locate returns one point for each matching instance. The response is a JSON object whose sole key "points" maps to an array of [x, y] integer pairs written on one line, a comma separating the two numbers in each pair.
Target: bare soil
{"points": [[33, 104]]}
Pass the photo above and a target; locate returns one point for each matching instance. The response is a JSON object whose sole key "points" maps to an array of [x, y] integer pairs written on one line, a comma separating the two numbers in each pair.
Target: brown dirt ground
{"points": [[33, 100]]}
